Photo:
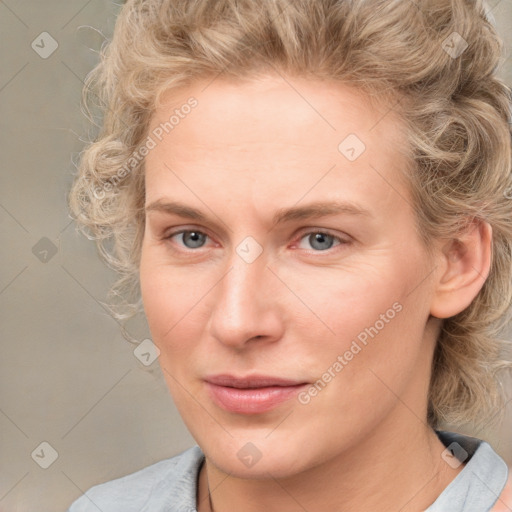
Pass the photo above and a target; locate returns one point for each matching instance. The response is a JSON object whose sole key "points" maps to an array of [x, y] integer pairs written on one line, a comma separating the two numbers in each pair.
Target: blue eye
{"points": [[195, 238], [320, 241]]}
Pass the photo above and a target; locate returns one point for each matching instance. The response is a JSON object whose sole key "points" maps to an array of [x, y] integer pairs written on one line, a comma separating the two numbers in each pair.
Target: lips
{"points": [[251, 394]]}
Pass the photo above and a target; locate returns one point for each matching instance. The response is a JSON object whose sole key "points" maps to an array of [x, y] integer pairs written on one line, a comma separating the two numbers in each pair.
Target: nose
{"points": [[247, 308]]}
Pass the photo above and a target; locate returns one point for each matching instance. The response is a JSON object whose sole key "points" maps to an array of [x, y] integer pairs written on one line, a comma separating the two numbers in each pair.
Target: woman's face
{"points": [[280, 243]]}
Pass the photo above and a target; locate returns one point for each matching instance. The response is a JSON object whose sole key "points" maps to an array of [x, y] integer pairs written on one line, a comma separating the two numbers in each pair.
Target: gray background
{"points": [[68, 377]]}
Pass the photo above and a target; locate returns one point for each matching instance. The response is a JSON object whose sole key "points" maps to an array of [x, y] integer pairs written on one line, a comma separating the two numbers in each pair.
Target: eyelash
{"points": [[342, 242]]}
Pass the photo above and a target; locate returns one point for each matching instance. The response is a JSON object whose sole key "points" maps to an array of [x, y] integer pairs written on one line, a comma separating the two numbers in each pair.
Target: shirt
{"points": [[171, 484]]}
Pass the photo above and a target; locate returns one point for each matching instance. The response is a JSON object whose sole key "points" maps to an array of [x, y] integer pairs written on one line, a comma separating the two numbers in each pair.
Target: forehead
{"points": [[292, 109], [274, 132]]}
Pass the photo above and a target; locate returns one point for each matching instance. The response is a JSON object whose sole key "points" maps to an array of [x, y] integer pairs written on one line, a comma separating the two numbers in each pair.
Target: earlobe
{"points": [[465, 265]]}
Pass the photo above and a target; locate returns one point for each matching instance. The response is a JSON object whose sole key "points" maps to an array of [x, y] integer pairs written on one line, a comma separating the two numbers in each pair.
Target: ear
{"points": [[464, 264]]}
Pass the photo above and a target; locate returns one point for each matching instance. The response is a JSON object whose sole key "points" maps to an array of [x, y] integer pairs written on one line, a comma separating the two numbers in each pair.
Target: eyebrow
{"points": [[282, 215]]}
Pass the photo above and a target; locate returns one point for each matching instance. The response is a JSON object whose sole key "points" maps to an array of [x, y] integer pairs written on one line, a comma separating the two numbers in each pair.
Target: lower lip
{"points": [[251, 401]]}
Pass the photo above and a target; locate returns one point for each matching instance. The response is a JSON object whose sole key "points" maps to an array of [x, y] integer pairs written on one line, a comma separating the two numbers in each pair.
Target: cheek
{"points": [[161, 302], [173, 301], [367, 320], [156, 296], [375, 352], [165, 292], [343, 302]]}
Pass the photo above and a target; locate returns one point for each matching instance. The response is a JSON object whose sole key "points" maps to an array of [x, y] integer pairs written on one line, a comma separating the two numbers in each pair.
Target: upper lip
{"points": [[252, 381]]}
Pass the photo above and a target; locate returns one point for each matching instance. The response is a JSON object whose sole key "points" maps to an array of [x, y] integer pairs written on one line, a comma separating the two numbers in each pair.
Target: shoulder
{"points": [[165, 485], [504, 503]]}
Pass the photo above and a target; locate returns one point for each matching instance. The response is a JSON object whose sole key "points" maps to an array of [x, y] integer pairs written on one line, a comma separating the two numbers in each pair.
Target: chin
{"points": [[276, 466], [256, 458]]}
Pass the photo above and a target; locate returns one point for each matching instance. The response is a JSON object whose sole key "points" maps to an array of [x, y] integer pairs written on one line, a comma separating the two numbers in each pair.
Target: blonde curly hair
{"points": [[437, 57]]}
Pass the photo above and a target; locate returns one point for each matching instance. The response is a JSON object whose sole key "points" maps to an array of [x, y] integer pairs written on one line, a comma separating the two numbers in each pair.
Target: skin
{"points": [[248, 149]]}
